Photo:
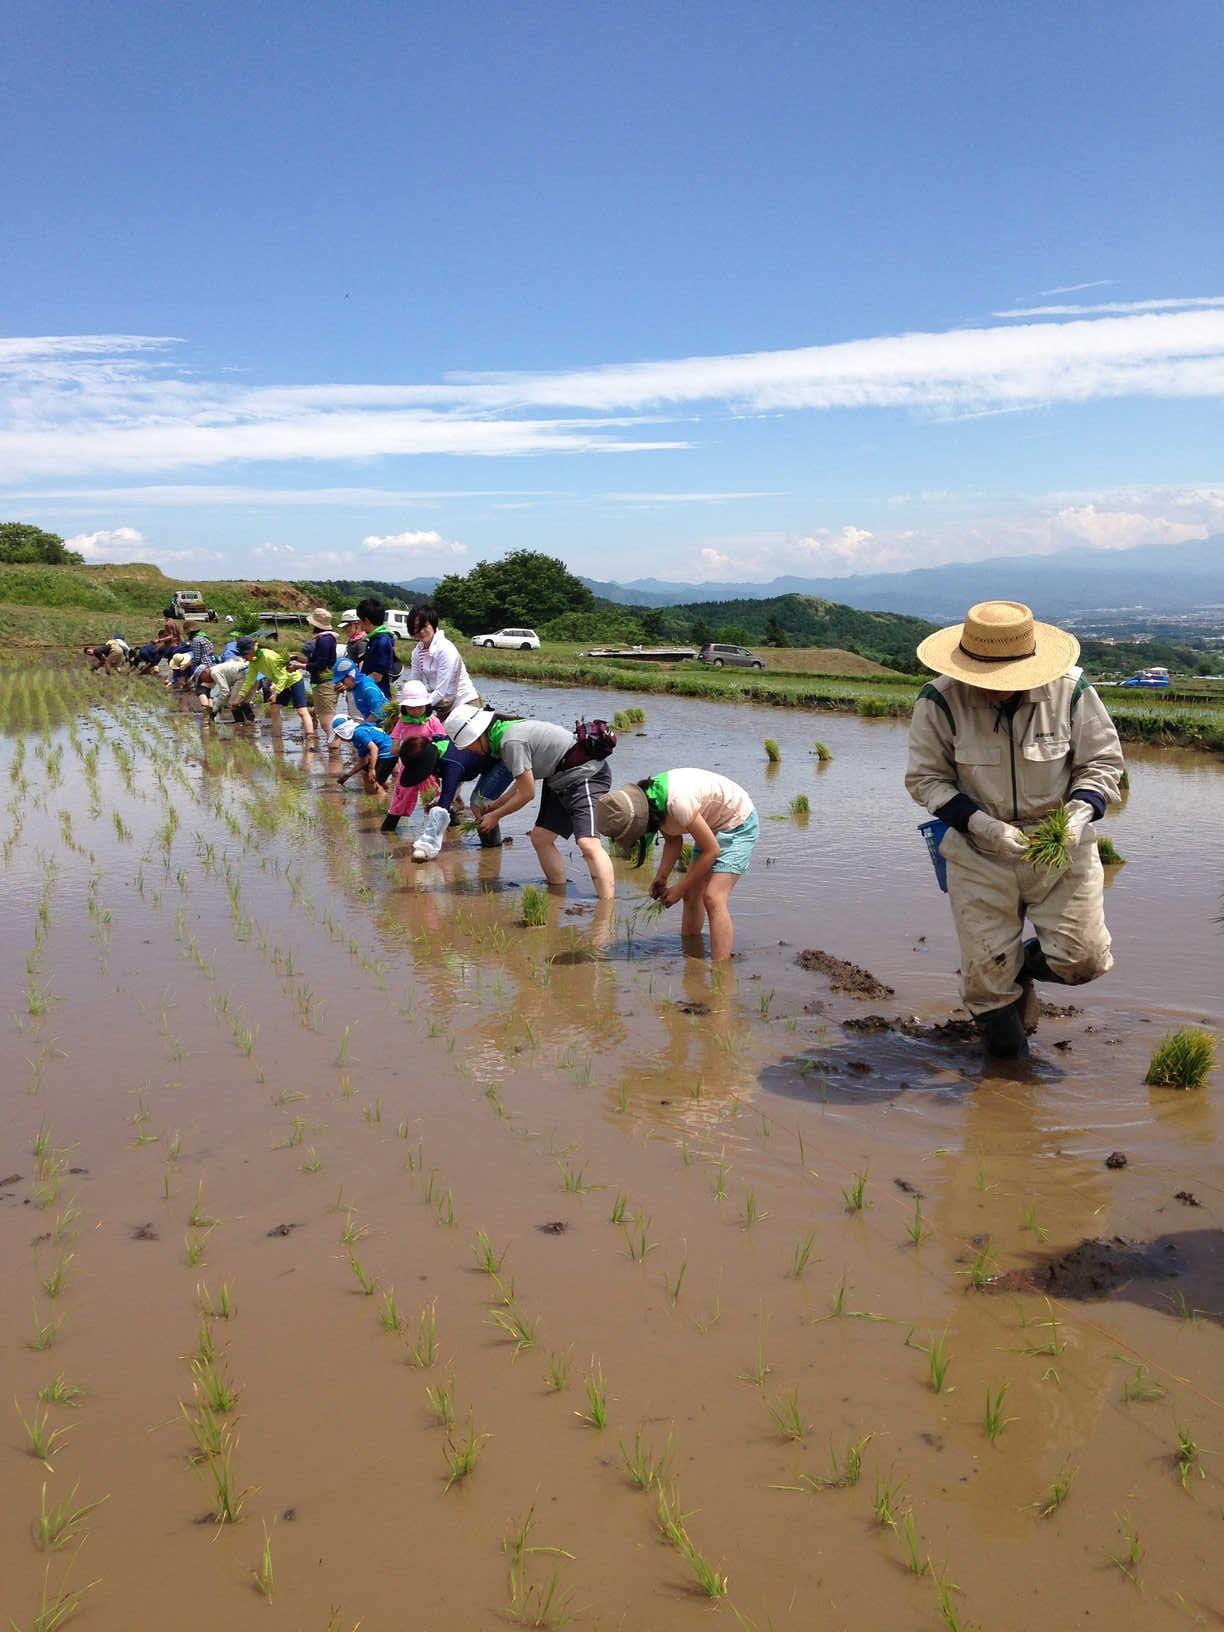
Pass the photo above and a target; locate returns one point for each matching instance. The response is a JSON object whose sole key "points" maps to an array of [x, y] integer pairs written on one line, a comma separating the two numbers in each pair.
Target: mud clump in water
{"points": [[1187, 1198], [953, 1030], [282, 1229], [555, 1226], [843, 976], [1095, 1268], [1115, 1159], [144, 1232]]}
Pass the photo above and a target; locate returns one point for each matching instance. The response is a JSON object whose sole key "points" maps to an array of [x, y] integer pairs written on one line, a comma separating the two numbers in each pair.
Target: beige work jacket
{"points": [[1060, 739]]}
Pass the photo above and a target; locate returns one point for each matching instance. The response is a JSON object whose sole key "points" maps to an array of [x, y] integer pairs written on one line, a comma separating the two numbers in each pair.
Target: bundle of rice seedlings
{"points": [[772, 752], [1047, 842], [621, 720], [823, 753], [1183, 1060], [799, 806], [534, 905], [1108, 854]]}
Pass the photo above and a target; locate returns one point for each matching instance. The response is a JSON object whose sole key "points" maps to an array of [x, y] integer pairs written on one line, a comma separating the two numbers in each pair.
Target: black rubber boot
{"points": [[1035, 966], [1002, 1031], [389, 824]]}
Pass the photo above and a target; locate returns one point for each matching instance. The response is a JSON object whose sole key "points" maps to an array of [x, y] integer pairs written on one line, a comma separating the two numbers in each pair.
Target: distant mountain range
{"points": [[1154, 578], [1162, 578]]}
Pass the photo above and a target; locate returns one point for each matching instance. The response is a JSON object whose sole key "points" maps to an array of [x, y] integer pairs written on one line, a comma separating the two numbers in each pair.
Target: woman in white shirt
{"points": [[722, 822], [438, 665]]}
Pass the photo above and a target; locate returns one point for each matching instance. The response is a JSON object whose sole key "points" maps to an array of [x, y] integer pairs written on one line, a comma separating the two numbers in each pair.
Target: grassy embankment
{"points": [[1181, 720]]}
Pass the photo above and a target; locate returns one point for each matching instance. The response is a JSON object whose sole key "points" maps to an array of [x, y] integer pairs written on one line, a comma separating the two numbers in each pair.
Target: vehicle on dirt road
{"points": [[514, 640], [720, 655], [1150, 679], [188, 607]]}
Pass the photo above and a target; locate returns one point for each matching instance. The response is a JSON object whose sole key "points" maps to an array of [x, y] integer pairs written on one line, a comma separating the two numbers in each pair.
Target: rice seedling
{"points": [[885, 1501], [373, 1111], [786, 1415], [752, 1213], [1130, 1556], [228, 1500], [197, 1218], [1188, 1456], [463, 1455], [1030, 1223], [61, 1523], [537, 1605], [855, 1196], [823, 754], [441, 1397], [722, 1168], [673, 1523], [368, 1283], [1048, 842], [54, 1283], [760, 1369], [1184, 1059], [1108, 853], [312, 1164], [193, 1248], [916, 1561], [352, 1232], [519, 1328], [845, 1473], [801, 1253], [947, 1609], [60, 1392], [1053, 1345], [644, 1466], [422, 1345], [388, 1313], [1139, 1387], [55, 1608], [265, 1580], [573, 1179], [1058, 1491], [993, 1419], [212, 1387], [222, 1309], [44, 1441], [983, 1268], [533, 906], [772, 752], [556, 1377], [595, 1386], [800, 807], [938, 1360], [672, 1288], [446, 1211], [45, 1332]]}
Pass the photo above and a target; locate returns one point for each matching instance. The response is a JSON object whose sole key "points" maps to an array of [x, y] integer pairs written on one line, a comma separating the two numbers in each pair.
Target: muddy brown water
{"points": [[262, 1011]]}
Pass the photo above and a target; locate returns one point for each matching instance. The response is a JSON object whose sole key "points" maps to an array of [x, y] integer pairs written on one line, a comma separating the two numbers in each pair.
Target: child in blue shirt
{"points": [[376, 759], [368, 697]]}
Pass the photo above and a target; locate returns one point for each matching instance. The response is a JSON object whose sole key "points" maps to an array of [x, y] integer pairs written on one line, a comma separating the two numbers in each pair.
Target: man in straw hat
{"points": [[320, 656], [1009, 732]]}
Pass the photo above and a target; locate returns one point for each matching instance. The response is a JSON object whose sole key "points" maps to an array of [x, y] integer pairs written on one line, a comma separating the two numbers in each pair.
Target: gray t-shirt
{"points": [[539, 746]]}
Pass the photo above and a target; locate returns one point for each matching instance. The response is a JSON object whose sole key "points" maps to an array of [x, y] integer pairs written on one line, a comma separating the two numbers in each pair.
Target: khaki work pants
{"points": [[323, 701], [991, 897]]}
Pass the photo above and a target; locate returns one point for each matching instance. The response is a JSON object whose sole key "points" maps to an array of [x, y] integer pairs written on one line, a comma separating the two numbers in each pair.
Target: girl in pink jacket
{"points": [[415, 720]]}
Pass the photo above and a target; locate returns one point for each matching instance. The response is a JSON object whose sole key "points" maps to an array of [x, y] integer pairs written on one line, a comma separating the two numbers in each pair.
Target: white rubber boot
{"points": [[429, 845]]}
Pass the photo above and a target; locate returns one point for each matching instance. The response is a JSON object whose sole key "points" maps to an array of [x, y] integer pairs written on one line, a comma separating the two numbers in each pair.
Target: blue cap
{"points": [[344, 667]]}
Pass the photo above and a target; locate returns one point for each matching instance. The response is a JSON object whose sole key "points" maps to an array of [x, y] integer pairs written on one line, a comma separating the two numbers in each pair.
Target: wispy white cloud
{"points": [[413, 543], [1074, 288], [1114, 307], [275, 549], [69, 406]]}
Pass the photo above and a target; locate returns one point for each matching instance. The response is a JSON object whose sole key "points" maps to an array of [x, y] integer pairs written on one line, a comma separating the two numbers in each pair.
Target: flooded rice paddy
{"points": [[348, 1202]]}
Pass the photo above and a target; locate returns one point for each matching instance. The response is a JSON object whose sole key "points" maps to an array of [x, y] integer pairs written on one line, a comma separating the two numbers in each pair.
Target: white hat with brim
{"points": [[472, 729], [320, 618], [1000, 647], [348, 617]]}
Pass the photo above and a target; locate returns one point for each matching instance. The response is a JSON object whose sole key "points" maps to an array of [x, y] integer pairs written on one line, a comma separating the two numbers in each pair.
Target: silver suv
{"points": [[718, 655]]}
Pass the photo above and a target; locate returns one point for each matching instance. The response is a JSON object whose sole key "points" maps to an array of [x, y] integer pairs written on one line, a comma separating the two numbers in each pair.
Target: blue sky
{"points": [[691, 291]]}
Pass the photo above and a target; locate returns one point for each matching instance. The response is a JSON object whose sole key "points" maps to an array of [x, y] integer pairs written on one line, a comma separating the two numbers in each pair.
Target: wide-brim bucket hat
{"points": [[471, 729], [412, 694], [320, 618], [1000, 646], [623, 815]]}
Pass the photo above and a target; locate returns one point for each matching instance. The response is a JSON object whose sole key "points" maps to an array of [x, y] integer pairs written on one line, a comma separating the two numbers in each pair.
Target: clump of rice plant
{"points": [[673, 1523], [423, 1345], [557, 1375], [786, 1414], [823, 753], [1058, 1491], [772, 752], [1188, 1457], [595, 1385], [462, 1455], [993, 1419], [646, 1467], [265, 1580], [441, 1397], [1048, 842], [1108, 853], [1183, 1060], [61, 1522], [533, 906], [800, 807]]}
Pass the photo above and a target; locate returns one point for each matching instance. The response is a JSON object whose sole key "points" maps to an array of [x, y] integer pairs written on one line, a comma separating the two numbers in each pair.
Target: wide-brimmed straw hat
{"points": [[623, 815], [1000, 646], [320, 618]]}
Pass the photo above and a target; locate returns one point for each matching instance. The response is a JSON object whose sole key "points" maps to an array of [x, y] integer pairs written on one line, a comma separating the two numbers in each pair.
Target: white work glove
{"points": [[999, 837], [1079, 816]]}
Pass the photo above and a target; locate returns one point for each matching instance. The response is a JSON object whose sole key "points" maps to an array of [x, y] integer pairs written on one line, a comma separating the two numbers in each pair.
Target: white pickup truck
{"points": [[188, 607]]}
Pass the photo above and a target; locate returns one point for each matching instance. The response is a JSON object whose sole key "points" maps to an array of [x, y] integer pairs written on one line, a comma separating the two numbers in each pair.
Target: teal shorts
{"points": [[735, 846]]}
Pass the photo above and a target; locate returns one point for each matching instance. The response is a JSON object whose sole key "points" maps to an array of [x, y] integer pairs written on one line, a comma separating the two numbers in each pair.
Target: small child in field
{"points": [[415, 720], [376, 759], [722, 822]]}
